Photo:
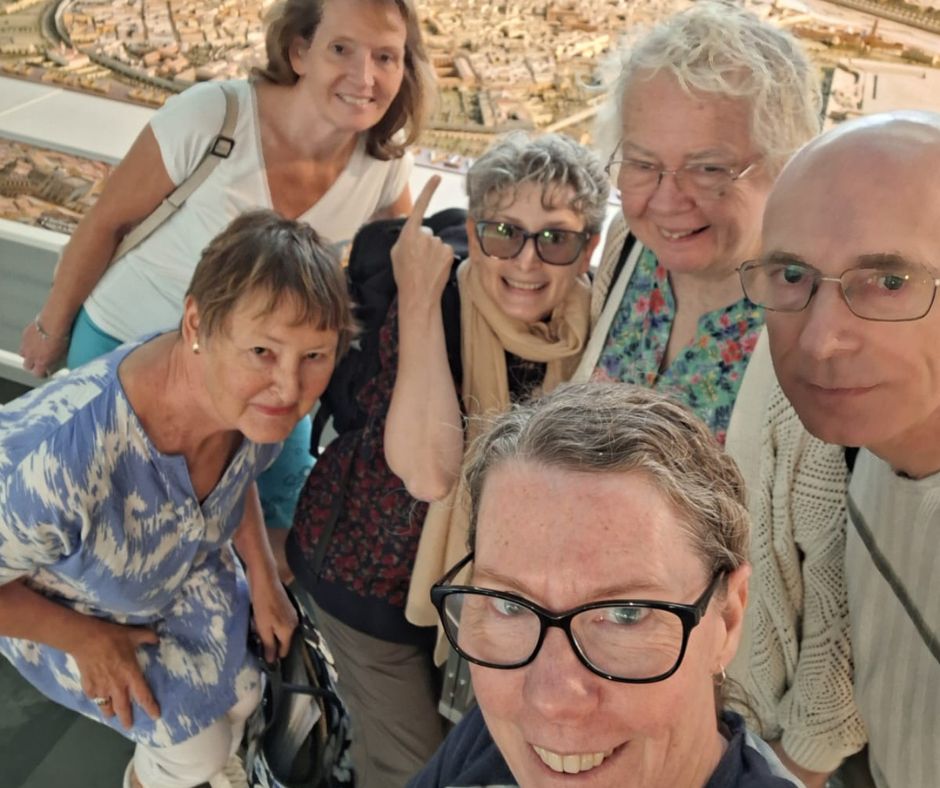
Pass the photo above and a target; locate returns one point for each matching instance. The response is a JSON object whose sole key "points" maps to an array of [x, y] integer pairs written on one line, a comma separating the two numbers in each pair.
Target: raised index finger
{"points": [[413, 222]]}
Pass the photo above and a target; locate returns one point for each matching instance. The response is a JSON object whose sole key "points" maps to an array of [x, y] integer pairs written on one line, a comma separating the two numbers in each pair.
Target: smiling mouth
{"points": [[532, 286], [678, 235], [356, 101], [571, 764]]}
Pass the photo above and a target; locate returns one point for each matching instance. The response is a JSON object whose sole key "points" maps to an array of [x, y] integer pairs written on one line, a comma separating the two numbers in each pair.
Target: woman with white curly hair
{"points": [[708, 106]]}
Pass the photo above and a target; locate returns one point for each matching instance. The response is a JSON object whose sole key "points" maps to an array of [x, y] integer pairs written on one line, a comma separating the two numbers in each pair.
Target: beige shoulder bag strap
{"points": [[221, 147]]}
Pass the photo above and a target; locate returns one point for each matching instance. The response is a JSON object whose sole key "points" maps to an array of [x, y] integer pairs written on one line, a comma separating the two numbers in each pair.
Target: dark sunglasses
{"points": [[552, 245]]}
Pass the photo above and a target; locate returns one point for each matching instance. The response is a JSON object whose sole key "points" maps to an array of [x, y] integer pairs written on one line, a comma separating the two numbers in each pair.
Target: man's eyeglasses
{"points": [[553, 246], [882, 287], [627, 640], [701, 180]]}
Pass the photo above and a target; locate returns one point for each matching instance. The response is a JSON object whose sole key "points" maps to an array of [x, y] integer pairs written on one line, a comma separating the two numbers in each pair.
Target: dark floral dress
{"points": [[706, 375]]}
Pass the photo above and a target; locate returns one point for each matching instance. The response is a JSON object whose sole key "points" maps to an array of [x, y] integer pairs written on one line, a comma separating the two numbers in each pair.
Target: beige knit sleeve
{"points": [[617, 234], [799, 666]]}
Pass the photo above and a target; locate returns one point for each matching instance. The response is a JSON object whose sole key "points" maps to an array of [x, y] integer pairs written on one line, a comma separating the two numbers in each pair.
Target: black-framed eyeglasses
{"points": [[882, 287], [636, 641], [701, 180], [552, 245]]}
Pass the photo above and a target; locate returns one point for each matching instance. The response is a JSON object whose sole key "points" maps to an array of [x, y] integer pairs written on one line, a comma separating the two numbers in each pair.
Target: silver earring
{"points": [[721, 678], [195, 347]]}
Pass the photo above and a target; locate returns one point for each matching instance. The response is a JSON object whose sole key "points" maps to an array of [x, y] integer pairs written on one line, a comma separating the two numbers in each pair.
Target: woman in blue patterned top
{"points": [[708, 106], [124, 485]]}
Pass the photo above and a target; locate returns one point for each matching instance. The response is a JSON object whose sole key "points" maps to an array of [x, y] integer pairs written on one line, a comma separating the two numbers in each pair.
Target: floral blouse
{"points": [[706, 375]]}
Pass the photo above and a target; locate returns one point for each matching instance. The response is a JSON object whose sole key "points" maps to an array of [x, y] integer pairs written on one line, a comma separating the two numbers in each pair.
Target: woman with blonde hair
{"points": [[320, 137]]}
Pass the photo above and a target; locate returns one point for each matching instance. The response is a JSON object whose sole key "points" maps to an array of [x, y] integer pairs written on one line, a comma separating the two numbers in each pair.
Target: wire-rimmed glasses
{"points": [[700, 180], [554, 246], [881, 287], [635, 641]]}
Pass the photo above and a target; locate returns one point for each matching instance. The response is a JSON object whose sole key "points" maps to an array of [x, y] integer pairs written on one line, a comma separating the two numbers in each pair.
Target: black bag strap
{"points": [[336, 507], [894, 582], [850, 452], [628, 244], [280, 689]]}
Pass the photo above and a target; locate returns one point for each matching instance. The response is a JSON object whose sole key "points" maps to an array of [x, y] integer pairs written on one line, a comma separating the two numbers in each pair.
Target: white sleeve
{"points": [[185, 126], [396, 179]]}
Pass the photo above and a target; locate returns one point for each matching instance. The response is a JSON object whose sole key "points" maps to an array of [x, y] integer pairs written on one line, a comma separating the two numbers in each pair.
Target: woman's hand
{"points": [[42, 351], [107, 662], [275, 617], [134, 190], [421, 261]]}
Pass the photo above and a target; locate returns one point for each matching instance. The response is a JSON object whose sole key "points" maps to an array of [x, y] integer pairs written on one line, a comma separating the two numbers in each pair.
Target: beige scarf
{"points": [[486, 334]]}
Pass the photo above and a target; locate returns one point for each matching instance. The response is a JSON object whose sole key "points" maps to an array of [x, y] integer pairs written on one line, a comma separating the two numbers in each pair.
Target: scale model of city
{"points": [[530, 64]]}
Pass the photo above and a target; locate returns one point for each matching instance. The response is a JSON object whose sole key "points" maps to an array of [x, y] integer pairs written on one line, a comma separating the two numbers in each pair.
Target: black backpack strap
{"points": [[336, 508], [628, 244], [851, 452], [317, 425], [927, 635]]}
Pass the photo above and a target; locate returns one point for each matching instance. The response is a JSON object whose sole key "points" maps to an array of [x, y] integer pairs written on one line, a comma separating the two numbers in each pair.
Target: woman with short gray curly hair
{"points": [[513, 318], [705, 110], [553, 160], [524, 313]]}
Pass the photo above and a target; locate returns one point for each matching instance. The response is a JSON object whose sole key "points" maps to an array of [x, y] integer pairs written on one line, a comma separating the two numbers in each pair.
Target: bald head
{"points": [[860, 206], [867, 156]]}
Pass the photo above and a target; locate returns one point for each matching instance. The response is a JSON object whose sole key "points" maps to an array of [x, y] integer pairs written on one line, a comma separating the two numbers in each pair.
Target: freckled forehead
{"points": [[584, 530]]}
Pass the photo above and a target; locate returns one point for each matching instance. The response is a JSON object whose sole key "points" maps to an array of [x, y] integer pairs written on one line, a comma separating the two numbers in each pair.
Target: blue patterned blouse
{"points": [[707, 374], [93, 516]]}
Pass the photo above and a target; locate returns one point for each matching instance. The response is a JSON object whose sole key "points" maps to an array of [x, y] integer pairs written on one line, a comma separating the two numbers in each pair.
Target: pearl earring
{"points": [[195, 347]]}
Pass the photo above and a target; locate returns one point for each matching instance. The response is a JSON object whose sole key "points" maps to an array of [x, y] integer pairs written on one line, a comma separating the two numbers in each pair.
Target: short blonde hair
{"points": [[717, 47], [618, 428], [261, 252], [288, 20]]}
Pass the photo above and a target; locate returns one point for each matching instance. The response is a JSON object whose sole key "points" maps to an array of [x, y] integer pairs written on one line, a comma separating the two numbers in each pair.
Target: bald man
{"points": [[845, 640]]}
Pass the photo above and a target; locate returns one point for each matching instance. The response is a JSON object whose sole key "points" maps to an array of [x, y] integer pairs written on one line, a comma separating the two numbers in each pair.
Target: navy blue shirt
{"points": [[469, 758]]}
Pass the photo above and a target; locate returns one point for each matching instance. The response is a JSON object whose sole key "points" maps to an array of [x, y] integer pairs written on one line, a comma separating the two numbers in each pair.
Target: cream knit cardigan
{"points": [[795, 657]]}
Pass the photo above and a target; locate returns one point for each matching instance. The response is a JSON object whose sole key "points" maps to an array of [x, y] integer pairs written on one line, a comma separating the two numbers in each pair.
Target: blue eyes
{"points": [[506, 607], [625, 615]]}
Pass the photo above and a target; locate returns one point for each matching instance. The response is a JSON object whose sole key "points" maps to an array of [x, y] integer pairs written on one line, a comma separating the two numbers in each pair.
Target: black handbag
{"points": [[299, 735]]}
